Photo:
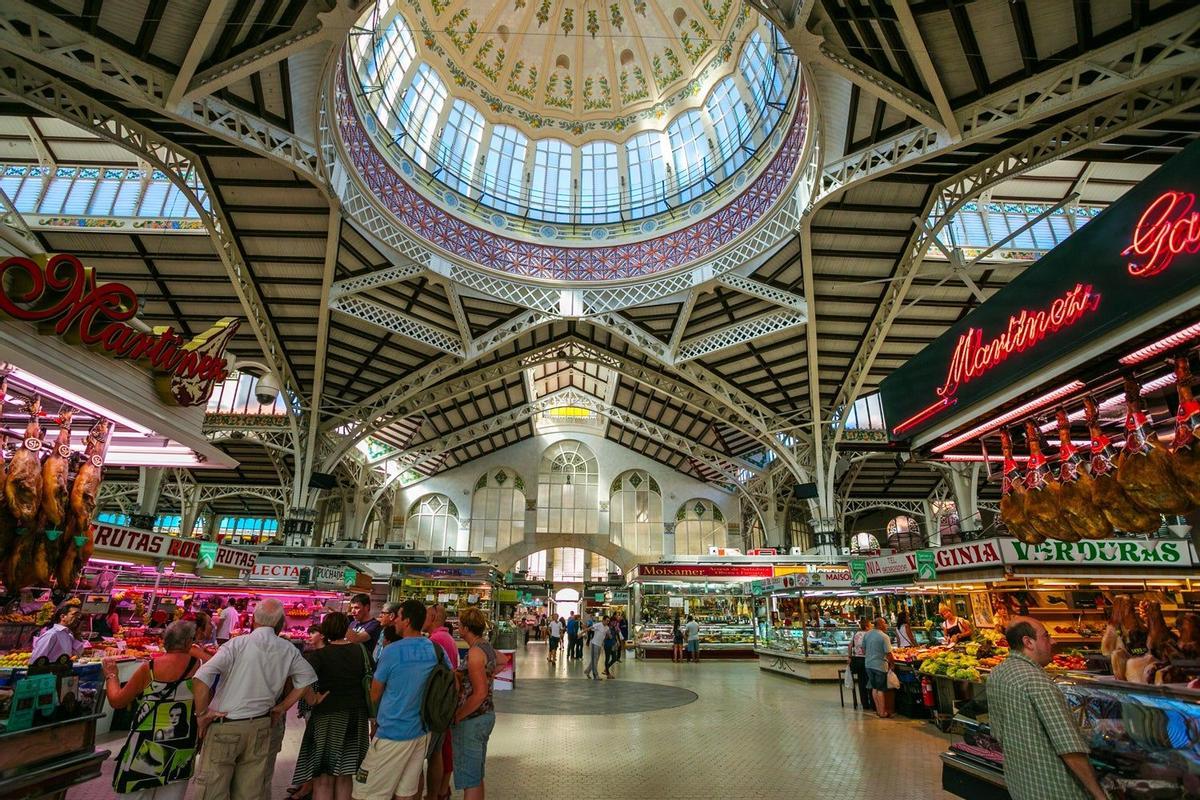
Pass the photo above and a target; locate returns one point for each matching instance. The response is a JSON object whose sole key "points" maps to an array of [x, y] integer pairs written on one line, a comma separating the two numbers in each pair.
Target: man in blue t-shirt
{"points": [[572, 635], [877, 651], [392, 767]]}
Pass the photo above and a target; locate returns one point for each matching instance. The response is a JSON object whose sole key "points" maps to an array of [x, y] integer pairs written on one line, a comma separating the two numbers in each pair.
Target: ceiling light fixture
{"points": [[1163, 345], [1016, 413], [25, 376]]}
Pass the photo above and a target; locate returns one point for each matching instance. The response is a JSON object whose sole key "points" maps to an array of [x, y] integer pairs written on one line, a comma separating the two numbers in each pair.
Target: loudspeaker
{"points": [[322, 480], [804, 491]]}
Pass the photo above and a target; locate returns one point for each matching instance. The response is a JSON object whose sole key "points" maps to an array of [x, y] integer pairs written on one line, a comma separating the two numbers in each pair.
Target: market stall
{"points": [[712, 593], [805, 621]]}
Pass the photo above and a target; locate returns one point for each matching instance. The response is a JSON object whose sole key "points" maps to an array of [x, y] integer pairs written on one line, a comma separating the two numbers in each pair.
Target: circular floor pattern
{"points": [[574, 696]]}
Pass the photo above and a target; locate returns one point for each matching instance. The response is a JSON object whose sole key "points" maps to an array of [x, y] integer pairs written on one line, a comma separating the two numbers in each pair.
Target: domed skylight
{"points": [[571, 113]]}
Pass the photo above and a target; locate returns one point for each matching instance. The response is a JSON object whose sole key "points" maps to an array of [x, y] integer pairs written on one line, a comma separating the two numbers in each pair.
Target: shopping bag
{"points": [[848, 679], [893, 680]]}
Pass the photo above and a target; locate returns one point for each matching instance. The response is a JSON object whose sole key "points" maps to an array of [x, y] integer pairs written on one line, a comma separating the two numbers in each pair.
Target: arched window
{"points": [[699, 525], [728, 116], [503, 170], [419, 113], [458, 149], [863, 542], [689, 153], [497, 511], [432, 525], [761, 75], [599, 184], [550, 197], [945, 515], [647, 173], [903, 533], [635, 513], [567, 490]]}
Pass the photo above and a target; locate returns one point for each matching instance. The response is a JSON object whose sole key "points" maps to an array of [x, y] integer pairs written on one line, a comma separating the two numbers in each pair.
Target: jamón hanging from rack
{"points": [[1076, 487], [1012, 497], [1185, 450], [1043, 501], [1145, 470], [1107, 494]]}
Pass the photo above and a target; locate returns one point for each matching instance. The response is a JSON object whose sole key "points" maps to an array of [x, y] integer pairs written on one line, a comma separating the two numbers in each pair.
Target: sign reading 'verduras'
{"points": [[1105, 553]]}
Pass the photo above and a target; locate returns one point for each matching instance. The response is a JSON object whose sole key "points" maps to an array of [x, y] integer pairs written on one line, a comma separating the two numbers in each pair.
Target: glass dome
{"points": [[557, 112]]}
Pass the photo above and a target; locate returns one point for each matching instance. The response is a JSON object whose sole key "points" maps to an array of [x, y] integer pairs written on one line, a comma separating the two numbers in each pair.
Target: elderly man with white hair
{"points": [[236, 721]]}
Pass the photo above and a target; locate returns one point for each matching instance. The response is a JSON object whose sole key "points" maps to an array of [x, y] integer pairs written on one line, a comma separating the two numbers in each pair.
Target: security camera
{"points": [[266, 390]]}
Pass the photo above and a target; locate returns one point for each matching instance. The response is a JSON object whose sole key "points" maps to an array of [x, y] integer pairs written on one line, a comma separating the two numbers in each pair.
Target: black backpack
{"points": [[440, 700]]}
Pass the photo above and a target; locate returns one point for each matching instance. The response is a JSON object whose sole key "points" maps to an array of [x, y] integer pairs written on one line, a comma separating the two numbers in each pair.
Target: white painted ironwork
{"points": [[872, 81], [398, 322], [371, 280], [251, 61], [740, 332], [763, 291], [853, 506], [914, 43], [1156, 52], [15, 230], [681, 323], [44, 39]]}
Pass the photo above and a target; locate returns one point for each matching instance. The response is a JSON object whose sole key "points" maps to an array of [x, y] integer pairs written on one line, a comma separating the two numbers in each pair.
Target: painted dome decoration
{"points": [[567, 122]]}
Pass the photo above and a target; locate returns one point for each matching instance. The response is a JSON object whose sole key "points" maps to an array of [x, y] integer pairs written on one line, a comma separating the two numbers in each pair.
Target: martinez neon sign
{"points": [[63, 298], [1167, 229]]}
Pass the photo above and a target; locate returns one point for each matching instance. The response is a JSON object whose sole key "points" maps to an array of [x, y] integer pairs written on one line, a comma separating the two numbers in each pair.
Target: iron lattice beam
{"points": [[1157, 52]]}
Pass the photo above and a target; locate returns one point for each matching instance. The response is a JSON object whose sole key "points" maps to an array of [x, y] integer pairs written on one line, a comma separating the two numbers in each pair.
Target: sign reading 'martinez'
{"points": [[63, 298]]}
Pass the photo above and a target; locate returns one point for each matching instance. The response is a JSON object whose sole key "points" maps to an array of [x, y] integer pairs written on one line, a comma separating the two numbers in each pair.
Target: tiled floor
{"points": [[749, 735]]}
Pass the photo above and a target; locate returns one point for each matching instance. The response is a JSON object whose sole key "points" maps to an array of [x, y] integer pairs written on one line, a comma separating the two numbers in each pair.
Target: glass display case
{"points": [[719, 638], [1144, 740]]}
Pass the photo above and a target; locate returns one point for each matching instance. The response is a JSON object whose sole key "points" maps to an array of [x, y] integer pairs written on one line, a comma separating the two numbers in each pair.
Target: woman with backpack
{"points": [[335, 737], [476, 716]]}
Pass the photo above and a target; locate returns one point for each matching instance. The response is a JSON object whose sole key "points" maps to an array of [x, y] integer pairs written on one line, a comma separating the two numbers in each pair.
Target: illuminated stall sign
{"points": [[704, 571], [116, 540], [62, 297], [1137, 255]]}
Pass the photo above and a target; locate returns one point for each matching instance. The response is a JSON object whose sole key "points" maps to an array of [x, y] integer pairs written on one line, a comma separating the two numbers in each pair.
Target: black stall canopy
{"points": [[1130, 269]]}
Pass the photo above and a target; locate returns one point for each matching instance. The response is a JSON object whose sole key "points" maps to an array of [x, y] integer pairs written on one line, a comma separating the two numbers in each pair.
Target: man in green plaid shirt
{"points": [[1045, 756]]}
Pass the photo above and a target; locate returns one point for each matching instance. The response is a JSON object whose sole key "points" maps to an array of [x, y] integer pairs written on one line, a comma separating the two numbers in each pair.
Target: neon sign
{"points": [[1168, 228], [973, 357], [62, 297]]}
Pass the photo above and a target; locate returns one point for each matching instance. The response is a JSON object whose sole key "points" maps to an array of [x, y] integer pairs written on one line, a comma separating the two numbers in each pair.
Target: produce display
{"points": [[1124, 490], [959, 666], [45, 510]]}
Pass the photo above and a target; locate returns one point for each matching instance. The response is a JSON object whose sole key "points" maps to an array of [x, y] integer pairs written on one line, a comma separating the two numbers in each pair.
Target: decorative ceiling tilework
{"points": [[486, 248]]}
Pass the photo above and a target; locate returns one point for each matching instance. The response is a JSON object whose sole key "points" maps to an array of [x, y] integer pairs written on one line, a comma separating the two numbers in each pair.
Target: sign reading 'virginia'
{"points": [[63, 298]]}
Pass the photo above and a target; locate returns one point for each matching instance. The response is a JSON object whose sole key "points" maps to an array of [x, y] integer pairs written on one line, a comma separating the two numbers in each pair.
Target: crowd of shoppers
{"points": [[222, 714]]}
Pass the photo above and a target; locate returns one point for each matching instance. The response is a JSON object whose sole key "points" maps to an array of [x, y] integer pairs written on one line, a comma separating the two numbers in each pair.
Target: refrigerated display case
{"points": [[721, 609], [1143, 740]]}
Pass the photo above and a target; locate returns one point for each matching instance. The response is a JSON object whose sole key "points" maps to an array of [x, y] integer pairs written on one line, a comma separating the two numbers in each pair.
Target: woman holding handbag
{"points": [[335, 738]]}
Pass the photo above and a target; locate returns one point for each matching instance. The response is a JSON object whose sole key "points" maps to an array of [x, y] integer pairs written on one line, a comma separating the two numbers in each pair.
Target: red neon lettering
{"points": [[973, 357], [1168, 228], [63, 297]]}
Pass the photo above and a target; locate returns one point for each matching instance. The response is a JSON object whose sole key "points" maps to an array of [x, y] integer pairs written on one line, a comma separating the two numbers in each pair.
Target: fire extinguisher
{"points": [[927, 698]]}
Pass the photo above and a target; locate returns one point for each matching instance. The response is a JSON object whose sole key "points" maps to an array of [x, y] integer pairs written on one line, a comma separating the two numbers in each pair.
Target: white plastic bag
{"points": [[848, 679], [893, 680]]}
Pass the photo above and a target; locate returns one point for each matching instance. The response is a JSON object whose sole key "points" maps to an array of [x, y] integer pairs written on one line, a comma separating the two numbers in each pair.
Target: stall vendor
{"points": [[954, 628], [58, 638]]}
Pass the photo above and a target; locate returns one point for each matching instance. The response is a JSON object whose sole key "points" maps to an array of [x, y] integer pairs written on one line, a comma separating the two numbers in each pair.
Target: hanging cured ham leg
{"points": [[1076, 491], [1012, 497], [1145, 471], [1186, 447], [23, 489], [84, 492], [1107, 494], [1043, 499], [56, 494], [8, 525]]}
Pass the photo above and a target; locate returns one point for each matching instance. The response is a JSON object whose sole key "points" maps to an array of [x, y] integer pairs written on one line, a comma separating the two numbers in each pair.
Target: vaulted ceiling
{"points": [[1057, 99]]}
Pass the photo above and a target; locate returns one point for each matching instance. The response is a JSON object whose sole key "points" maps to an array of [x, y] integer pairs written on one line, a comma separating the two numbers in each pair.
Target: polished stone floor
{"points": [[734, 732]]}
